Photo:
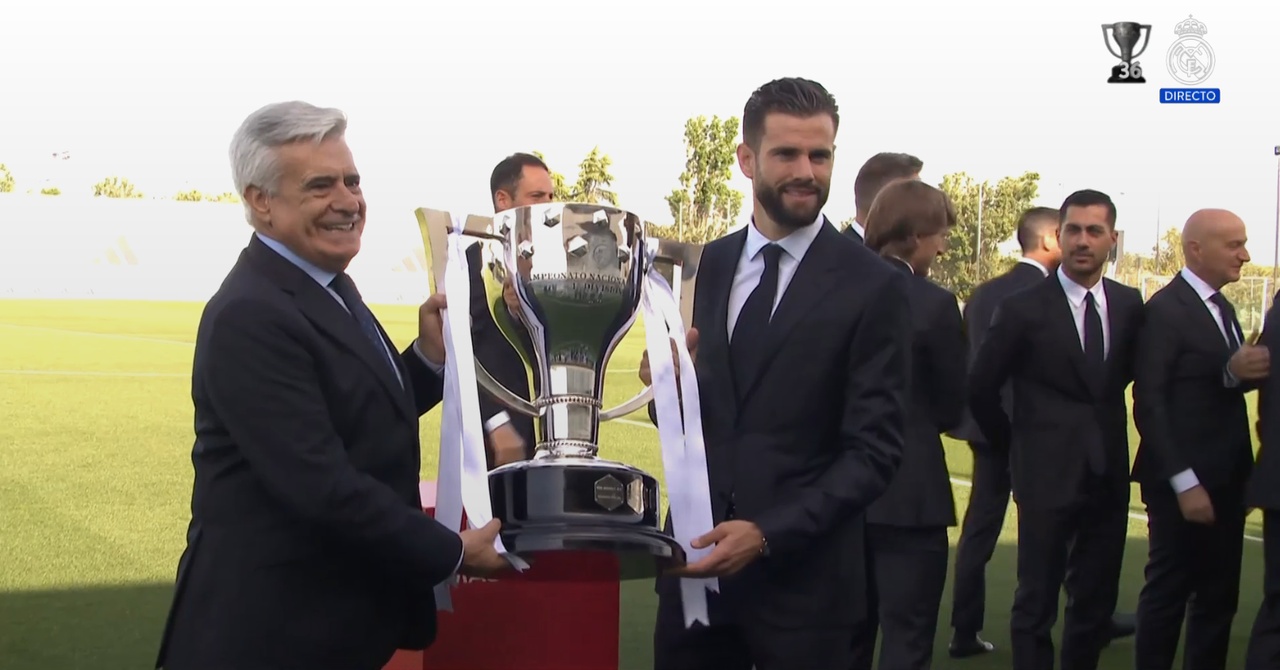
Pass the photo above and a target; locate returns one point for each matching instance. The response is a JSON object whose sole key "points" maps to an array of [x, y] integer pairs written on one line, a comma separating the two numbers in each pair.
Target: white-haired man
{"points": [[307, 545]]}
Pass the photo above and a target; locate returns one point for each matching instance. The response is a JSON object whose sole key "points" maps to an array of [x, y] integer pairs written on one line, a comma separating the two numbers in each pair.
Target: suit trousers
{"points": [[1264, 641], [1192, 572], [1079, 547], [979, 533], [741, 644], [907, 574]]}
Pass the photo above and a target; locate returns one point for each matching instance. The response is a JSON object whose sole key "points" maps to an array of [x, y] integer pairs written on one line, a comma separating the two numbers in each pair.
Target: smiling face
{"points": [[790, 170], [317, 209]]}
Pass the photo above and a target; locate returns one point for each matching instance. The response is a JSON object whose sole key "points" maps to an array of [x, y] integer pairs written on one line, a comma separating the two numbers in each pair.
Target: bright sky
{"points": [[153, 89]]}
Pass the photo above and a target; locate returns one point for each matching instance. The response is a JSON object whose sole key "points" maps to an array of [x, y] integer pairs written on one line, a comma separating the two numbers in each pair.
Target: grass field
{"points": [[95, 476]]}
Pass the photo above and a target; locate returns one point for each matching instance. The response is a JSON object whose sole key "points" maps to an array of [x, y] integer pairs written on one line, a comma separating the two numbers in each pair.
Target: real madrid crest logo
{"points": [[1190, 58]]}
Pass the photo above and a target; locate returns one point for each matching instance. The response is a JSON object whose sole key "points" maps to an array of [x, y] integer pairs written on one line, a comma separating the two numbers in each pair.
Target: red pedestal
{"points": [[561, 614]]}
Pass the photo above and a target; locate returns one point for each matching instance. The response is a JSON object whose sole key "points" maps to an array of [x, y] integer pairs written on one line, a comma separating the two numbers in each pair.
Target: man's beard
{"points": [[771, 199]]}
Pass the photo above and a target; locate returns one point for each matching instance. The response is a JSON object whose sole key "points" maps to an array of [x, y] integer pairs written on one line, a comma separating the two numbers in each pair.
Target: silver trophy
{"points": [[573, 275]]}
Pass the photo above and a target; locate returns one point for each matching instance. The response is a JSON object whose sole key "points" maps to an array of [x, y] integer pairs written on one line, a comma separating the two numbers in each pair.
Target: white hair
{"points": [[253, 149]]}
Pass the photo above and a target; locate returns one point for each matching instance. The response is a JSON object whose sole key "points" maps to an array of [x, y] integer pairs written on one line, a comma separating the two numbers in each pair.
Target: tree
{"points": [[225, 197], [972, 251], [704, 207], [51, 190], [561, 190], [594, 180], [189, 196], [1168, 258], [6, 179], [116, 187]]}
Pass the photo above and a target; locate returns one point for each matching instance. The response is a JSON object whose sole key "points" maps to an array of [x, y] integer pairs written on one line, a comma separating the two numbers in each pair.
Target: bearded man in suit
{"points": [[803, 407]]}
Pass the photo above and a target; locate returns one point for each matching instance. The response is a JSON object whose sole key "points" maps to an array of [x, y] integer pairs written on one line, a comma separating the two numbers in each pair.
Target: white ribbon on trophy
{"points": [[463, 481], [684, 457]]}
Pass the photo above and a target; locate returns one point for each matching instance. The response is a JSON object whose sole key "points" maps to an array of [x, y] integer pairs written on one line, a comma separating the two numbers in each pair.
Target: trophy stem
{"points": [[567, 449], [570, 424]]}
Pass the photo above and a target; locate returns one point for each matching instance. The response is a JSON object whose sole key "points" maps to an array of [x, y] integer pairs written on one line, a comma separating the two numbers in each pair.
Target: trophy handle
{"points": [[1106, 33], [678, 263], [1145, 39], [505, 395], [435, 226], [640, 400]]}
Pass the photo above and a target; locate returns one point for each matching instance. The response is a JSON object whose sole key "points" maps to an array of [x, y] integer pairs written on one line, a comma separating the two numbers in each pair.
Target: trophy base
{"points": [[581, 504]]}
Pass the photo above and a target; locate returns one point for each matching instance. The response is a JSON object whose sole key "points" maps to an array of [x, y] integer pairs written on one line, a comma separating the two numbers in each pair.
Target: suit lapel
{"points": [[1064, 323], [327, 315], [715, 277], [1116, 324], [810, 284], [1199, 313]]}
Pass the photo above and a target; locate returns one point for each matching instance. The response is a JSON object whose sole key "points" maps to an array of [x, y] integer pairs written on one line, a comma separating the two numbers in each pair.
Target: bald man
{"points": [[1194, 366]]}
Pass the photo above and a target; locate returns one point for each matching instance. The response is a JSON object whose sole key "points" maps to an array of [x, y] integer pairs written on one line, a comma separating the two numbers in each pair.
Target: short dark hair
{"points": [[1032, 225], [906, 209], [792, 96], [1088, 198], [506, 175], [879, 170]]}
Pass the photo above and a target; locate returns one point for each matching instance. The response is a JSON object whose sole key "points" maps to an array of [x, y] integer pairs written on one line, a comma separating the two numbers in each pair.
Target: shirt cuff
{"points": [[1184, 481], [496, 421], [438, 369], [461, 554]]}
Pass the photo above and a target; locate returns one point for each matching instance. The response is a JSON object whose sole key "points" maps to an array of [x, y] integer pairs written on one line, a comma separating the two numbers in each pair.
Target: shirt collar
{"points": [[1075, 292], [859, 229], [795, 244], [1203, 289], [1035, 264], [322, 277]]}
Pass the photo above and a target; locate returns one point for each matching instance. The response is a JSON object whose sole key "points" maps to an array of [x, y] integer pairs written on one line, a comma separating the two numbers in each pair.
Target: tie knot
{"points": [[1221, 301], [343, 285], [772, 253], [1090, 300]]}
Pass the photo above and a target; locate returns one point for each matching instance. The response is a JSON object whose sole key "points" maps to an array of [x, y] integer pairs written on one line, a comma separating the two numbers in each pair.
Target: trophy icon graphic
{"points": [[1126, 35]]}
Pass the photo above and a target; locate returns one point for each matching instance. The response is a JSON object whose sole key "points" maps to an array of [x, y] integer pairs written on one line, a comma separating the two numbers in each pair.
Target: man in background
{"points": [[519, 180], [879, 170], [1194, 367], [907, 526], [1066, 346], [1264, 494], [989, 497]]}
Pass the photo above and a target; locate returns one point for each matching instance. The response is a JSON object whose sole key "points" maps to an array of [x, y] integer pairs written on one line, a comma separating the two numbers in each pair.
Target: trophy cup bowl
{"points": [[1126, 35], [574, 276]]}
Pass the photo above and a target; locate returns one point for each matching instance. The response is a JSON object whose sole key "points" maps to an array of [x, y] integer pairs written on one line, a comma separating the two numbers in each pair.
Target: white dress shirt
{"points": [[858, 228], [751, 265], [1075, 298], [1187, 479]]}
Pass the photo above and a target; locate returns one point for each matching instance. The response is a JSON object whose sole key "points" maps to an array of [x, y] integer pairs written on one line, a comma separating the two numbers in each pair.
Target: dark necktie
{"points": [[753, 320], [1227, 315], [1094, 352], [346, 289], [1094, 344]]}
